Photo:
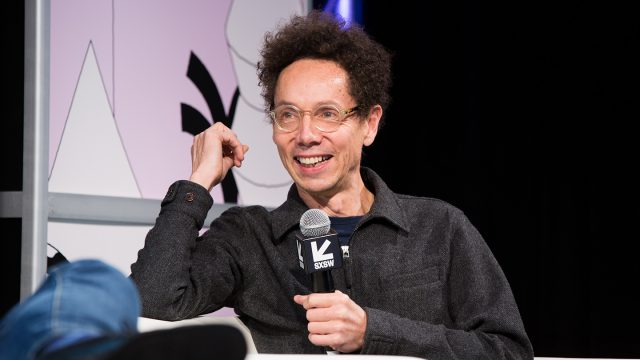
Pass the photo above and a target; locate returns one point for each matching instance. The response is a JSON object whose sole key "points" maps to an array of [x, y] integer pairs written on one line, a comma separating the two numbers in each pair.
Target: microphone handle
{"points": [[322, 282]]}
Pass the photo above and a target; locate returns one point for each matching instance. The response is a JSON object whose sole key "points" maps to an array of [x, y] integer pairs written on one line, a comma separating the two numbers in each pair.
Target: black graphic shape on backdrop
{"points": [[193, 122]]}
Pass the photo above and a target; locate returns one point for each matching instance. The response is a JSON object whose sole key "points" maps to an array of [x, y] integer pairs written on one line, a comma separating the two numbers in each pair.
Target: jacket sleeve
{"points": [[482, 320], [180, 274]]}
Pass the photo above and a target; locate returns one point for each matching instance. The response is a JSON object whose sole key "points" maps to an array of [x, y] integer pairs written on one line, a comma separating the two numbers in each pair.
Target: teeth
{"points": [[312, 160]]}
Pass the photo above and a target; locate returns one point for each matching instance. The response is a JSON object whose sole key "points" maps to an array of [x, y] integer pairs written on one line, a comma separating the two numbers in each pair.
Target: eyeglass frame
{"points": [[345, 113]]}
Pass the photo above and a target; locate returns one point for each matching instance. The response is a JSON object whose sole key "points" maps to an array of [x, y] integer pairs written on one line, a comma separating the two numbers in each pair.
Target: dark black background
{"points": [[523, 114], [11, 133]]}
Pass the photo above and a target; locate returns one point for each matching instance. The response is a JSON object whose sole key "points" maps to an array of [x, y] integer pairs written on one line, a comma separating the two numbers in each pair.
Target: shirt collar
{"points": [[286, 217]]}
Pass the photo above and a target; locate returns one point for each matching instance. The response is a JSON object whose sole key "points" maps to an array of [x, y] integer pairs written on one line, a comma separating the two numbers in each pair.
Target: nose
{"points": [[307, 132]]}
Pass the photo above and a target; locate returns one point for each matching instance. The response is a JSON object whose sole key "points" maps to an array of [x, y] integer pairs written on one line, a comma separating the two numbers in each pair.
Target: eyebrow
{"points": [[313, 107]]}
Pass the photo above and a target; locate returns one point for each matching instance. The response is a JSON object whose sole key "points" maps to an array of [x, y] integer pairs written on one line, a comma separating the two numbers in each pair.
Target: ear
{"points": [[371, 124]]}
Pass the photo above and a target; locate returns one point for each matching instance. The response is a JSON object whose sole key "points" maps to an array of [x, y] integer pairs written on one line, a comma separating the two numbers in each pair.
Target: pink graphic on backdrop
{"points": [[142, 49], [70, 34]]}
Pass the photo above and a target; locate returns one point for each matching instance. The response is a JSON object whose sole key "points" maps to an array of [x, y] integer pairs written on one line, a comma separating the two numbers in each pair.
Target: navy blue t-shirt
{"points": [[344, 226]]}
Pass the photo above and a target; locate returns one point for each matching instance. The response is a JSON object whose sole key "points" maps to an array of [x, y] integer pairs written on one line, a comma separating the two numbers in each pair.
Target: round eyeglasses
{"points": [[326, 118]]}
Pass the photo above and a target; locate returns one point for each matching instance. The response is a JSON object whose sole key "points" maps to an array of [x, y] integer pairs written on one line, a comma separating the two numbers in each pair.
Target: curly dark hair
{"points": [[320, 35]]}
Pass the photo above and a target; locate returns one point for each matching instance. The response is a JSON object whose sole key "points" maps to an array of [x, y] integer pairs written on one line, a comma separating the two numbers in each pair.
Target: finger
{"points": [[300, 299], [321, 314], [232, 148], [326, 299], [312, 301], [330, 340], [323, 327], [239, 154]]}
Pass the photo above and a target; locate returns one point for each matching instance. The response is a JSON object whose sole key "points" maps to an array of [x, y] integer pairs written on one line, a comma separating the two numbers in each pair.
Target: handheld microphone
{"points": [[318, 249]]}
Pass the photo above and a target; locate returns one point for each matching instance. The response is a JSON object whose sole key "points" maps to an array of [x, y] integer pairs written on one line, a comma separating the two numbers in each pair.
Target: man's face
{"points": [[320, 163]]}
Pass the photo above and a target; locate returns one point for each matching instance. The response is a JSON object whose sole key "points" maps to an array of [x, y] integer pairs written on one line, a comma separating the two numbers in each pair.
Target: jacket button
{"points": [[189, 197]]}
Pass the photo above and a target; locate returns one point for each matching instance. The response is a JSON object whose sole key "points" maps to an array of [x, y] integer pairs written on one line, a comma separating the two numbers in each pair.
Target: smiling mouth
{"points": [[312, 160]]}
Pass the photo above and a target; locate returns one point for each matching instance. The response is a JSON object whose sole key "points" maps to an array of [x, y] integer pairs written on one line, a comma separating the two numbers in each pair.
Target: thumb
{"points": [[299, 299]]}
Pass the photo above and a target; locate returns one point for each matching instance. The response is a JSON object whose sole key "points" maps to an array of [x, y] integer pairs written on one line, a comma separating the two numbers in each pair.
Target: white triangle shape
{"points": [[91, 159]]}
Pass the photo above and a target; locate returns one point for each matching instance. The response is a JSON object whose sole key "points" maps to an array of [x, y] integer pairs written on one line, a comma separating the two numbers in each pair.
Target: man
{"points": [[419, 280]]}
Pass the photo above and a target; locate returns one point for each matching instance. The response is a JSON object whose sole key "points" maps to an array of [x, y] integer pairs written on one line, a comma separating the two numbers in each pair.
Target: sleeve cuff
{"points": [[379, 337], [190, 198]]}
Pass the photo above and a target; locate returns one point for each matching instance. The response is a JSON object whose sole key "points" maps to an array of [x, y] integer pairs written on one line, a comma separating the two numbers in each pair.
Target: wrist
{"points": [[203, 181]]}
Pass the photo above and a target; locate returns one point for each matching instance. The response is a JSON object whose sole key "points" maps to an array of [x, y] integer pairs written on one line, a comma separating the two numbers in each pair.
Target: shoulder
{"points": [[240, 227], [437, 216], [408, 211], [245, 214]]}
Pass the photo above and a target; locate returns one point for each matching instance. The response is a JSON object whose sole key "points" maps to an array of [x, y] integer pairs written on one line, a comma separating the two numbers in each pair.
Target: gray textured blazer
{"points": [[426, 278]]}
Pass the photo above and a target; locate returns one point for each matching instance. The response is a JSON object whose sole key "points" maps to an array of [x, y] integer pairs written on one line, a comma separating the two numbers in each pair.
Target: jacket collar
{"points": [[385, 207]]}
